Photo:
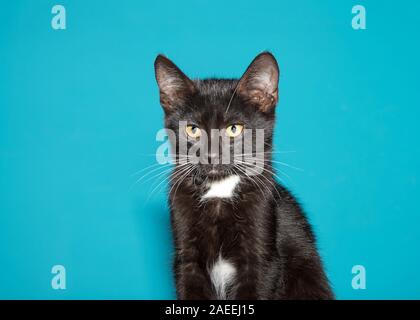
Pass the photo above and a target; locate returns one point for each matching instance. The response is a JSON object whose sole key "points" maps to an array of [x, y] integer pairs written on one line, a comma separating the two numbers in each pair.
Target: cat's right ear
{"points": [[259, 84], [174, 85]]}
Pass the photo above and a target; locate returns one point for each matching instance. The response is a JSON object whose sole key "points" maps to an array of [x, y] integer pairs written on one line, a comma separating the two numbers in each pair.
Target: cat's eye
{"points": [[234, 130], [193, 131]]}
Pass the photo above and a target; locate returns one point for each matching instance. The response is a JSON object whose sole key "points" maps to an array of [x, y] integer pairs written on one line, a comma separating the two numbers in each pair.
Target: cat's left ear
{"points": [[259, 84]]}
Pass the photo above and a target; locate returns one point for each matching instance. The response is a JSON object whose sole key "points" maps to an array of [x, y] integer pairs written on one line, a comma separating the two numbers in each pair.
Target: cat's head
{"points": [[222, 113]]}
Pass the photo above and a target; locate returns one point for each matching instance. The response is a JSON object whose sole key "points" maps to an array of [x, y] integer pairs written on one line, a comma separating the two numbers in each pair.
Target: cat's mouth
{"points": [[213, 171]]}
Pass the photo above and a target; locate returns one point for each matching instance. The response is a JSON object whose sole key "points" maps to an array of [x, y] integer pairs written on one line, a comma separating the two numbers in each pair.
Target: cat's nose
{"points": [[213, 158]]}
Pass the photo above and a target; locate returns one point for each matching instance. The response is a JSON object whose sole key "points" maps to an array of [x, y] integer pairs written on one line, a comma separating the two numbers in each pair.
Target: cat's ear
{"points": [[174, 85], [259, 84]]}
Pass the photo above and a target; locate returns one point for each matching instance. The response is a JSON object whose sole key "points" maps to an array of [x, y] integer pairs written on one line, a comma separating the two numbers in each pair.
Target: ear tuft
{"points": [[259, 84], [174, 85]]}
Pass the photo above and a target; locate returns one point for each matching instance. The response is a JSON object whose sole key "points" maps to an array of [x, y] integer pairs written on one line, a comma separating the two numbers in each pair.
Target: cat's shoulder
{"points": [[291, 218]]}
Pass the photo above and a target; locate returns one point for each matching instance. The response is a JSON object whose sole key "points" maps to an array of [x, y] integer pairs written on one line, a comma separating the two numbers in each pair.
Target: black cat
{"points": [[238, 233]]}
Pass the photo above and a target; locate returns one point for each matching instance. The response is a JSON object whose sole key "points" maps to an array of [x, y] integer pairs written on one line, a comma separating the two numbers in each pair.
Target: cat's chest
{"points": [[225, 188], [220, 228], [219, 200], [216, 216], [222, 216], [219, 197]]}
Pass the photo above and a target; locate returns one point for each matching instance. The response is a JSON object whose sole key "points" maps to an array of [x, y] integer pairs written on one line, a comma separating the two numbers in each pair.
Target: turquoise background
{"points": [[79, 112]]}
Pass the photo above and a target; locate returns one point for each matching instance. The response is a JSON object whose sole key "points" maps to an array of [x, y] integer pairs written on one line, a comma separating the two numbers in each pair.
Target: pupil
{"points": [[193, 129], [233, 129]]}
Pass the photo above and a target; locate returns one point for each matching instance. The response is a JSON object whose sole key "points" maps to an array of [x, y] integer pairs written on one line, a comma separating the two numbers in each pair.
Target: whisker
{"points": [[275, 161], [231, 98], [186, 174], [269, 181], [265, 169], [148, 167], [252, 181], [146, 174], [165, 179]]}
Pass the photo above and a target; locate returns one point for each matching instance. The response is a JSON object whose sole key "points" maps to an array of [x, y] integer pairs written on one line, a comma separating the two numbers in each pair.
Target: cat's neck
{"points": [[223, 188]]}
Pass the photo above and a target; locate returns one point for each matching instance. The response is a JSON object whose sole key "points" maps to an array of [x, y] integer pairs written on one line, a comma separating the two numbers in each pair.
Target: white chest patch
{"points": [[223, 188], [222, 275]]}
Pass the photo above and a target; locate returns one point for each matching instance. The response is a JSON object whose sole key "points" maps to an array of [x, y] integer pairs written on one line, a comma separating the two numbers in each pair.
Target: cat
{"points": [[236, 235]]}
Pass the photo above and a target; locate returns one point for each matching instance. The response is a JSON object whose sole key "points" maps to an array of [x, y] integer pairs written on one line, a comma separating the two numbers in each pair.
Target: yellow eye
{"points": [[193, 131], [234, 130]]}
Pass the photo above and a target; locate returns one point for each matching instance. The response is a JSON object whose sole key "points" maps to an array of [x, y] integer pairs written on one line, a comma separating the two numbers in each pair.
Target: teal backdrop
{"points": [[79, 112]]}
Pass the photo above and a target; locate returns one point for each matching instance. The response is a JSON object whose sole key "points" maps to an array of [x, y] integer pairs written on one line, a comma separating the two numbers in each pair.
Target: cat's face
{"points": [[215, 121]]}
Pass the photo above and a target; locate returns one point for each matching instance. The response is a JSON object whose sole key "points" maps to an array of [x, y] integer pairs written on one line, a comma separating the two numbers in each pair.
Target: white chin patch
{"points": [[222, 275], [223, 188]]}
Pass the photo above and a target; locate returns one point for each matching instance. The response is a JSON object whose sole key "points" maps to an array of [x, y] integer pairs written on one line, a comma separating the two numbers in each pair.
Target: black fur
{"points": [[262, 230]]}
